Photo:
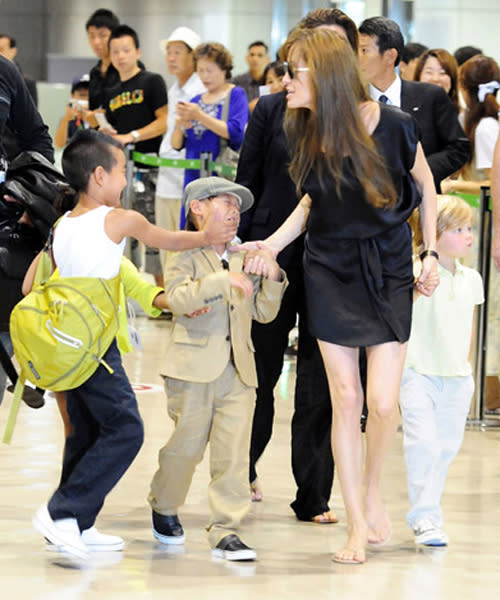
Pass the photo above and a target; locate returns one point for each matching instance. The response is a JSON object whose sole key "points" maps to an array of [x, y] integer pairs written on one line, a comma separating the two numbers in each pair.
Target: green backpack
{"points": [[61, 330]]}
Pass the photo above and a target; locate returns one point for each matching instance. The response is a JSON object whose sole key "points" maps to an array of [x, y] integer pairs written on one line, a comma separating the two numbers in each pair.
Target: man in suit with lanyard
{"points": [[444, 142]]}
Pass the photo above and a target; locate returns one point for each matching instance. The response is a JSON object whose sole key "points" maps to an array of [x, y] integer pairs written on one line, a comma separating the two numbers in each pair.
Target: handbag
{"points": [[227, 156], [19, 244]]}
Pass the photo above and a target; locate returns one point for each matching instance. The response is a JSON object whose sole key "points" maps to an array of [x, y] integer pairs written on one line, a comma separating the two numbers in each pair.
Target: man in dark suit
{"points": [[444, 142]]}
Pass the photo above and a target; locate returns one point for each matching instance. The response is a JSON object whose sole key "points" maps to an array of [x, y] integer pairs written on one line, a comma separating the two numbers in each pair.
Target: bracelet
{"points": [[426, 253]]}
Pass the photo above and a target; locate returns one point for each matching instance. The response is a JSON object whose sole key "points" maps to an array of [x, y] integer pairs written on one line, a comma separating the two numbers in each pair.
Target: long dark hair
{"points": [[320, 138]]}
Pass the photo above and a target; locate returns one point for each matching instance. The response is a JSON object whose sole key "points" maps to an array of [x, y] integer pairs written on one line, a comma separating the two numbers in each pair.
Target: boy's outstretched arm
{"points": [[121, 223]]}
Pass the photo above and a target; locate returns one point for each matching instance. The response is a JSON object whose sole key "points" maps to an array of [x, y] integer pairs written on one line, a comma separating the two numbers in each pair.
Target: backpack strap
{"points": [[14, 410]]}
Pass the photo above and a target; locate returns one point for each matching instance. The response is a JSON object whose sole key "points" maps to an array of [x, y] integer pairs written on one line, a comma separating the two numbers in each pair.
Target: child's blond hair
{"points": [[452, 212]]}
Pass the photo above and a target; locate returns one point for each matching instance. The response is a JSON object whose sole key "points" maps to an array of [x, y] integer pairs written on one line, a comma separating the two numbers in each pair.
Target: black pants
{"points": [[107, 434], [312, 461]]}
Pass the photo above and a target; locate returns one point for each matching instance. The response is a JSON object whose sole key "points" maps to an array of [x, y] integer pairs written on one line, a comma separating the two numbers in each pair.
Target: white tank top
{"points": [[83, 249]]}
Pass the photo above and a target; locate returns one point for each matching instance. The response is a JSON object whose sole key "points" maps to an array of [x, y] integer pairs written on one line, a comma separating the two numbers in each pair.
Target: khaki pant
{"points": [[168, 211], [219, 412]]}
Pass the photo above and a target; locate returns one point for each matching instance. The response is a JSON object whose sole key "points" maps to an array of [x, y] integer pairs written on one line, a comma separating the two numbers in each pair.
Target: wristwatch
{"points": [[135, 135]]}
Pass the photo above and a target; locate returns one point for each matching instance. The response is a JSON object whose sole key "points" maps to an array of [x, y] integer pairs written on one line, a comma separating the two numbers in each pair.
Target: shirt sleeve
{"points": [[485, 139], [157, 92], [477, 288], [238, 117], [18, 107]]}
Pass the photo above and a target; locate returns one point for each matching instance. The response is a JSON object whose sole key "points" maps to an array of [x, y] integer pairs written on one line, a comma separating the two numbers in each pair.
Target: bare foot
{"points": [[379, 524], [354, 550], [329, 516]]}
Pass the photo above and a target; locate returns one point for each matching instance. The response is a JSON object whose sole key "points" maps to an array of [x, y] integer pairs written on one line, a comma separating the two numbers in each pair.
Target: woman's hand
{"points": [[257, 257], [188, 111], [428, 280]]}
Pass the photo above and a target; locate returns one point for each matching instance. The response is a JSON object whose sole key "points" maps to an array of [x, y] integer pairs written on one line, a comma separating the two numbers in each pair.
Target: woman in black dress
{"points": [[362, 172]]}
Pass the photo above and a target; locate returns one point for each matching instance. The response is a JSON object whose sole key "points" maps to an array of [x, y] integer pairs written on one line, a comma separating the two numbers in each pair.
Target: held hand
{"points": [[240, 281], [217, 231], [428, 280], [262, 262]]}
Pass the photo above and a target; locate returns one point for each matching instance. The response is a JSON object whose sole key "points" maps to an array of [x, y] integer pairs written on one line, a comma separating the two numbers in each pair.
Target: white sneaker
{"points": [[63, 533], [95, 542], [100, 542], [427, 534]]}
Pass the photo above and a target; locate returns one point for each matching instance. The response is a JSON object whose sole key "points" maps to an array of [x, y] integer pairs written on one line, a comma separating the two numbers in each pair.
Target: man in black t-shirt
{"points": [[136, 109]]}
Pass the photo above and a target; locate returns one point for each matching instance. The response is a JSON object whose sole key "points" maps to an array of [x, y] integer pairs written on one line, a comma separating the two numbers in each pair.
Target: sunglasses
{"points": [[292, 71]]}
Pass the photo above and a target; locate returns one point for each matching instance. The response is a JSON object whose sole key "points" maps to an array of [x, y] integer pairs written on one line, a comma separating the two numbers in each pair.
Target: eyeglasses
{"points": [[292, 71]]}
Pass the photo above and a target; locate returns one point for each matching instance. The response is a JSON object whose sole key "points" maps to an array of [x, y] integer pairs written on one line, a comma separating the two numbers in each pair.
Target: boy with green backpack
{"points": [[107, 428]]}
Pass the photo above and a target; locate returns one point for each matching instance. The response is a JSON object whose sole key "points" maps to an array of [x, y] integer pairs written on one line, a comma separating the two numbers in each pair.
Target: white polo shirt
{"points": [[442, 324], [171, 180]]}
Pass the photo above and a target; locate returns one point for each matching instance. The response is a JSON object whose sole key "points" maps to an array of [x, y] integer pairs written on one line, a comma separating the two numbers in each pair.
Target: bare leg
{"points": [[341, 365], [385, 366]]}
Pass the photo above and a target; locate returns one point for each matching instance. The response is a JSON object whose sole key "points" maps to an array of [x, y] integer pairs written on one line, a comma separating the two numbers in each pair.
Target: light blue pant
{"points": [[434, 411], [7, 344]]}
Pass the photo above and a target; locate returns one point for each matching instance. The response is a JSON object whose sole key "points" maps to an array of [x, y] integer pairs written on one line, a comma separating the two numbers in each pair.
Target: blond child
{"points": [[437, 383]]}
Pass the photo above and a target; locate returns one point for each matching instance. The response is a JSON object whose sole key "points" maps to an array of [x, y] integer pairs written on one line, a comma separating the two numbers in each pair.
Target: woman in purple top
{"points": [[199, 125]]}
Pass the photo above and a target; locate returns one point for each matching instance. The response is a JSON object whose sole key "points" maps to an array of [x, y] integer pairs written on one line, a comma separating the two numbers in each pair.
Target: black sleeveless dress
{"points": [[358, 258]]}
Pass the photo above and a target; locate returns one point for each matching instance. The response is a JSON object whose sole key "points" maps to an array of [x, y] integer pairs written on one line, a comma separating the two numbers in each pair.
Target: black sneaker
{"points": [[232, 548], [168, 529]]}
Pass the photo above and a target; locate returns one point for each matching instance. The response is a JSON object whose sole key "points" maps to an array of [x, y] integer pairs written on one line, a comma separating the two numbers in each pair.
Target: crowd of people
{"points": [[344, 140]]}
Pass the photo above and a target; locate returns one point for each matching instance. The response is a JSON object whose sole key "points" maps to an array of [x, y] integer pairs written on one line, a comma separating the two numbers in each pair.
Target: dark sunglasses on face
{"points": [[291, 71]]}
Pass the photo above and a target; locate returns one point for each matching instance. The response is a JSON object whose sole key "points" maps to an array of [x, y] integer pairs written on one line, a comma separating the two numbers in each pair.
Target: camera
{"points": [[79, 104]]}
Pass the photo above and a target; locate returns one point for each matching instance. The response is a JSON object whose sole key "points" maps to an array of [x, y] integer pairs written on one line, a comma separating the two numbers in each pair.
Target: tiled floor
{"points": [[294, 558]]}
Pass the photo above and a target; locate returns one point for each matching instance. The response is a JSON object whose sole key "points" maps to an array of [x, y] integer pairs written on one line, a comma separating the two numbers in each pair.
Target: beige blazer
{"points": [[199, 348]]}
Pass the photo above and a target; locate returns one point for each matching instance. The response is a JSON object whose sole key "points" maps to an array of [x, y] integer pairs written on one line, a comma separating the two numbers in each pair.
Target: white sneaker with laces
{"points": [[427, 534]]}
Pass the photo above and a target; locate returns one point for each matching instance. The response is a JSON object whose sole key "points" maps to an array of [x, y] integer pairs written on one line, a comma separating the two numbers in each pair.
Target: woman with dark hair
{"points": [[263, 167], [199, 124], [439, 67], [362, 171]]}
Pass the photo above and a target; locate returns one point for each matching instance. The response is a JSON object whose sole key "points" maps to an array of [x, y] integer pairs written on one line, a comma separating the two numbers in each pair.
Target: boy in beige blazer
{"points": [[209, 371]]}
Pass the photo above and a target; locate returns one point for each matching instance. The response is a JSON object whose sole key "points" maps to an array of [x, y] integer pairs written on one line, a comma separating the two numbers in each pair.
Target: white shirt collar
{"points": [[393, 92]]}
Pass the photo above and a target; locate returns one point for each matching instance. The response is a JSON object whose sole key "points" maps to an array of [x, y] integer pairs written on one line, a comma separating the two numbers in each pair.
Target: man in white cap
{"points": [[178, 48]]}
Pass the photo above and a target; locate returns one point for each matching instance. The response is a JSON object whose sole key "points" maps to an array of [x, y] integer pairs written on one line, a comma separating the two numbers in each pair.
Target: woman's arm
{"points": [[191, 111], [421, 173], [465, 187]]}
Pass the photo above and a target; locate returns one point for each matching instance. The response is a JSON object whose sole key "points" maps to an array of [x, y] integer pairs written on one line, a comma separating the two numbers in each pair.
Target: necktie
{"points": [[225, 264], [383, 98]]}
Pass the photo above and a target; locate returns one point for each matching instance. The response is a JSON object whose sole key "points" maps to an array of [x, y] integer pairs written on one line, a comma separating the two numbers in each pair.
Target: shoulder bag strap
{"points": [[223, 142]]}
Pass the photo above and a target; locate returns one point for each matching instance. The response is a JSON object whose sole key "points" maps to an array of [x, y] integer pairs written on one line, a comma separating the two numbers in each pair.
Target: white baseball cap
{"points": [[182, 34]]}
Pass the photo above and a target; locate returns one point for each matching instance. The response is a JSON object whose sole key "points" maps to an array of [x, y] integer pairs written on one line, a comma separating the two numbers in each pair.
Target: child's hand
{"points": [[262, 262], [197, 313], [241, 282], [218, 231]]}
